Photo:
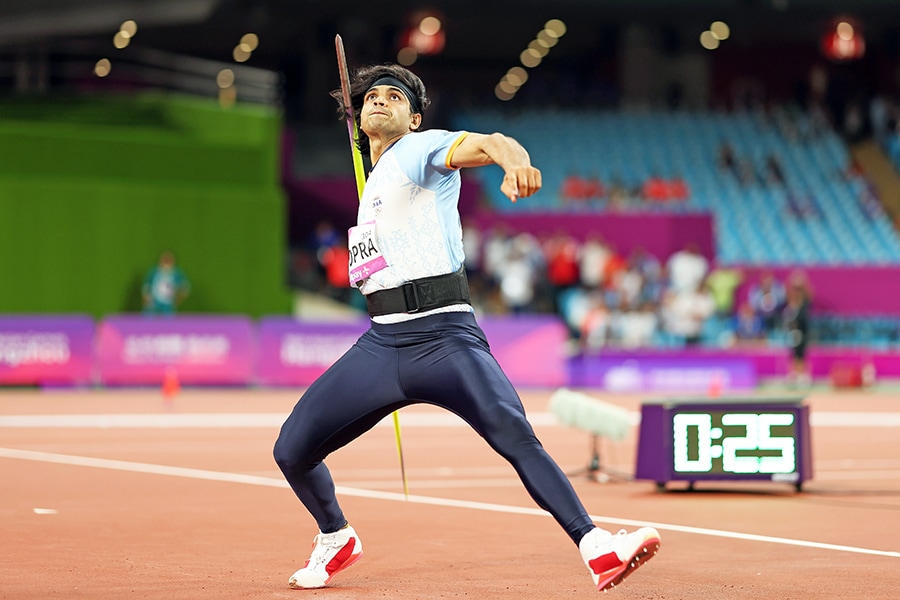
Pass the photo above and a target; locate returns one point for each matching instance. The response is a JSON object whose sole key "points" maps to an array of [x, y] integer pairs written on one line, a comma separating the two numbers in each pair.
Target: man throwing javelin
{"points": [[424, 345]]}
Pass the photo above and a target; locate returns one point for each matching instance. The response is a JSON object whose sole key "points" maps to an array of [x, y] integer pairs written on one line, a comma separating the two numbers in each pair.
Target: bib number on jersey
{"points": [[365, 257]]}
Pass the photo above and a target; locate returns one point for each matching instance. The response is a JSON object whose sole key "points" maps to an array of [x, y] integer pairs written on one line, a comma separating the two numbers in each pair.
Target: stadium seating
{"points": [[817, 214]]}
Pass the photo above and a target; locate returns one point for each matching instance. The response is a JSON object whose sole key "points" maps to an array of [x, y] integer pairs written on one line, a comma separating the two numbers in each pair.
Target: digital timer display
{"points": [[726, 442], [724, 439]]}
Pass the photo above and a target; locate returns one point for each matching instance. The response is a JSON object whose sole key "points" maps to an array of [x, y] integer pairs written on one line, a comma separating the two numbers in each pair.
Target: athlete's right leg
{"points": [[351, 397]]}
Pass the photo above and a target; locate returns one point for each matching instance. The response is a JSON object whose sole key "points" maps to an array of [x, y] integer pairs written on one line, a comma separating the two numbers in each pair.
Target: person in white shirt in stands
{"points": [[687, 268]]}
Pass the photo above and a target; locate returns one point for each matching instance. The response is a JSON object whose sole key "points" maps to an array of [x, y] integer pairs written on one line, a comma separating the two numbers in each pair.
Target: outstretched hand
{"points": [[520, 182]]}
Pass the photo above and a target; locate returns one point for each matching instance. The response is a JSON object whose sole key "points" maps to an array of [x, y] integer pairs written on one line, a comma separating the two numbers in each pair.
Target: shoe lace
{"points": [[323, 543], [603, 541]]}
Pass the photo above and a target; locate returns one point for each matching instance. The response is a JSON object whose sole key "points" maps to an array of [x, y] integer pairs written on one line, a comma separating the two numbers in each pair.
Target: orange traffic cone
{"points": [[170, 386], [715, 385]]}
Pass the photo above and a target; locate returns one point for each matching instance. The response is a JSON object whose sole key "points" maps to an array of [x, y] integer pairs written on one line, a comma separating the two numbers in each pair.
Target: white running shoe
{"points": [[331, 554], [611, 558]]}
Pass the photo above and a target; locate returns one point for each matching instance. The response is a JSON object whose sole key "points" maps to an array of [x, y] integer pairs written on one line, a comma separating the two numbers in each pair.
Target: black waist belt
{"points": [[421, 294]]}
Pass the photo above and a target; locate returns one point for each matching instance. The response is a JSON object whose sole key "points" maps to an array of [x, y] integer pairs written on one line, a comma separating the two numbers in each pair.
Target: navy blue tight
{"points": [[443, 360]]}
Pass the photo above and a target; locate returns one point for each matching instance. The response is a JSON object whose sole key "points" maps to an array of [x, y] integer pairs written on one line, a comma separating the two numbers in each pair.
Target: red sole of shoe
{"points": [[349, 563], [647, 551]]}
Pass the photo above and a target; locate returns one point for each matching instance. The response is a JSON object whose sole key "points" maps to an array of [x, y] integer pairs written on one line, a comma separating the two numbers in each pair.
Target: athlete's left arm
{"points": [[520, 179]]}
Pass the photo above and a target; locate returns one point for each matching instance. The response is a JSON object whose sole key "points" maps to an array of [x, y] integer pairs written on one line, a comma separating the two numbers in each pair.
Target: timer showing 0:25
{"points": [[734, 442]]}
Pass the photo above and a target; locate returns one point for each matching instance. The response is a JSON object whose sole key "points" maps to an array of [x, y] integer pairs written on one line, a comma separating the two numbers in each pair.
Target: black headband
{"points": [[394, 82]]}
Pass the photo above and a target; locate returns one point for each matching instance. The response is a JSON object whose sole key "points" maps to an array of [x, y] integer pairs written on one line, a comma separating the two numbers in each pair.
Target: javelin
{"points": [[359, 172], [352, 130]]}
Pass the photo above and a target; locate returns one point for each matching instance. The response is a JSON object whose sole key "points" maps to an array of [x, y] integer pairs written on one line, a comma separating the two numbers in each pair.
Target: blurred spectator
{"points": [[685, 313], [592, 258], [580, 190], [796, 326], [658, 189], [869, 202], [571, 187], [620, 197], [304, 269], [774, 171], [678, 189], [324, 237], [854, 120], [165, 286], [802, 206], [879, 118], [335, 259], [630, 286], [495, 248], [748, 326], [595, 322], [728, 161], [563, 271], [819, 121], [723, 282], [595, 188], [574, 305], [738, 167], [613, 271], [519, 274], [473, 246], [767, 298], [635, 328], [686, 268], [651, 273], [472, 240], [893, 144], [655, 189]]}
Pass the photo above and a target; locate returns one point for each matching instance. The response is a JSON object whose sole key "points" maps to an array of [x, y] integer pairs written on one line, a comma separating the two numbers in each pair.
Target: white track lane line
{"points": [[167, 420], [134, 467]]}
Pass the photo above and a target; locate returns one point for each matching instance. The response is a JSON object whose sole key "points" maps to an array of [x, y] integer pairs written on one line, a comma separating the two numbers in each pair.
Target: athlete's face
{"points": [[386, 113]]}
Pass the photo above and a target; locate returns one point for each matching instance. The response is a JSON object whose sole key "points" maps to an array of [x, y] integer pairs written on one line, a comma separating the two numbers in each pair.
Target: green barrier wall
{"points": [[91, 192]]}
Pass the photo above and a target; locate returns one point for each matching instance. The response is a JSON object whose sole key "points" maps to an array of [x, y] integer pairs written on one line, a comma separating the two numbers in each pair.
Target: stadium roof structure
{"points": [[190, 41], [480, 30]]}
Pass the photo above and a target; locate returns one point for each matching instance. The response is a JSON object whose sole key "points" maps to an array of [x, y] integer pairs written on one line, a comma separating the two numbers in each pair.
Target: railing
{"points": [[74, 66]]}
